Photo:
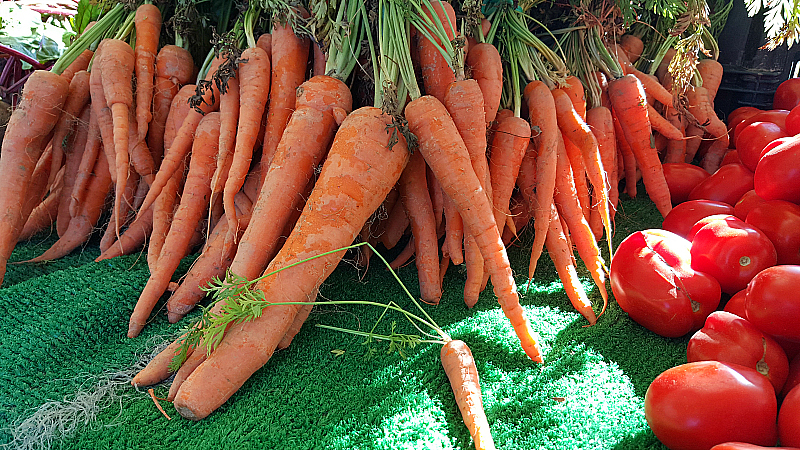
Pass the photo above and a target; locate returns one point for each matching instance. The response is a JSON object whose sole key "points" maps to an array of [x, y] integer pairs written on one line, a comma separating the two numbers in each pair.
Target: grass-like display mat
{"points": [[63, 342]]}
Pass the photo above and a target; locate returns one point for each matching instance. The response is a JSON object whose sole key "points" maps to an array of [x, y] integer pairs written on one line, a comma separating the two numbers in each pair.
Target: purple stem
{"points": [[15, 54], [6, 70], [54, 11], [19, 82]]}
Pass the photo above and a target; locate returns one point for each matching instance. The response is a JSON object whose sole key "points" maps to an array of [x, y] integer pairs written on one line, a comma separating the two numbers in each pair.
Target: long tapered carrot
{"points": [[454, 234], [628, 100], [90, 154], [436, 74], [254, 84], [105, 122], [486, 68], [360, 170], [229, 107], [542, 111], [194, 202], [132, 239], [77, 98], [28, 131], [509, 144], [44, 214], [174, 68], [74, 157], [148, 30], [414, 193], [601, 122], [308, 133], [289, 61], [459, 365], [396, 226], [443, 150]]}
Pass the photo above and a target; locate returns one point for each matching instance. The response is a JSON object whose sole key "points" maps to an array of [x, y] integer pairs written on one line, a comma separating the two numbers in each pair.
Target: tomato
{"points": [[780, 221], [789, 419], [793, 121], [682, 217], [741, 113], [653, 281], [745, 446], [733, 252], [793, 380], [774, 144], [726, 185], [746, 204], [700, 404], [682, 178], [777, 175], [773, 301], [705, 221], [752, 140], [776, 116], [731, 156], [729, 338], [735, 304], [787, 95]]}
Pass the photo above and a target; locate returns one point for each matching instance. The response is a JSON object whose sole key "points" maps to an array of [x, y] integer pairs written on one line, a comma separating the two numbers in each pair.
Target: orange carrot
{"points": [[459, 365], [193, 204], [454, 231], [632, 45], [444, 151], [174, 68], [80, 63], [330, 220], [254, 83], [44, 214], [509, 145], [627, 158], [414, 193], [72, 168], [436, 73], [396, 225], [148, 30], [105, 122], [676, 148], [650, 85], [486, 67], [711, 73], [289, 61], [229, 105], [297, 324], [28, 131], [601, 122], [132, 239], [264, 42], [84, 172], [627, 97], [77, 98], [574, 89]]}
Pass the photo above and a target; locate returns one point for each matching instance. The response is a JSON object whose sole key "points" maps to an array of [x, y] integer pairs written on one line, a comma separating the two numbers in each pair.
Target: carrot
{"points": [[561, 254], [414, 193], [627, 97], [578, 132], [174, 68], [254, 84], [436, 74], [296, 325], [359, 172], [437, 201], [105, 122], [459, 365], [574, 89], [229, 105], [396, 225], [305, 140], [81, 226], [627, 158], [148, 29], [77, 98], [126, 202], [84, 172], [509, 146], [454, 231], [579, 170], [525, 194], [650, 85], [676, 148], [601, 123], [264, 42], [404, 256], [444, 151], [662, 125], [28, 131], [44, 214], [157, 370], [193, 204], [80, 63], [632, 45], [183, 139], [486, 67], [72, 164], [289, 62], [132, 239], [711, 73], [544, 123]]}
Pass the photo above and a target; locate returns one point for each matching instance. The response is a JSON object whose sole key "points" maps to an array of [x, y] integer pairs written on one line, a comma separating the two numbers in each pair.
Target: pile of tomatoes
{"points": [[725, 266]]}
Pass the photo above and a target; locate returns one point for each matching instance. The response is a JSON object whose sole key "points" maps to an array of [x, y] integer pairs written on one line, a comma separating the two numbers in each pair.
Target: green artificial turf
{"points": [[64, 324]]}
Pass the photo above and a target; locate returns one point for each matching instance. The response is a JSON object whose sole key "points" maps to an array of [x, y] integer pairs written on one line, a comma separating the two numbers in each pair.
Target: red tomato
{"points": [[682, 178], [726, 185], [752, 140], [741, 113], [705, 221], [780, 221], [777, 176], [776, 116], [733, 252], [787, 95], [789, 419], [731, 156], [793, 380], [773, 303], [735, 304], [746, 204], [744, 446], [653, 281], [682, 217], [729, 338], [701, 404], [793, 121], [774, 144]]}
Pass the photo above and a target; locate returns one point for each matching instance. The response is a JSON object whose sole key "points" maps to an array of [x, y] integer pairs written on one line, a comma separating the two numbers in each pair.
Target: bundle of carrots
{"points": [[268, 164]]}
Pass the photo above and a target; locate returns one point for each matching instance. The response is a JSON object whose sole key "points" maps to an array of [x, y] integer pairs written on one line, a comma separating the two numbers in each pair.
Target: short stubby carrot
{"points": [[444, 152], [359, 172], [486, 66], [28, 131], [459, 365]]}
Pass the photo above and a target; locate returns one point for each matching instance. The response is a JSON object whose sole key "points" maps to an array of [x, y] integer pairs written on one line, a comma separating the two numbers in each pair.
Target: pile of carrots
{"points": [[262, 159]]}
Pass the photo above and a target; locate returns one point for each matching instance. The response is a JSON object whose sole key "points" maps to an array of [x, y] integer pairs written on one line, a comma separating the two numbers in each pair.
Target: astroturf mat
{"points": [[63, 347]]}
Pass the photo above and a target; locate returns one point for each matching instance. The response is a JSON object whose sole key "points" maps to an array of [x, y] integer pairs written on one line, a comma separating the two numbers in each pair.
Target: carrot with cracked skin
{"points": [[544, 123], [459, 366], [416, 199], [28, 132], [628, 99], [444, 151], [193, 204], [310, 129], [147, 21], [359, 172], [289, 61], [72, 163], [254, 84], [486, 66], [174, 68], [509, 145]]}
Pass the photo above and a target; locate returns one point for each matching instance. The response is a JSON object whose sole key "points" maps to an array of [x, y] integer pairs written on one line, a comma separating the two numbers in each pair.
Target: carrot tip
{"points": [[173, 317], [134, 329]]}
